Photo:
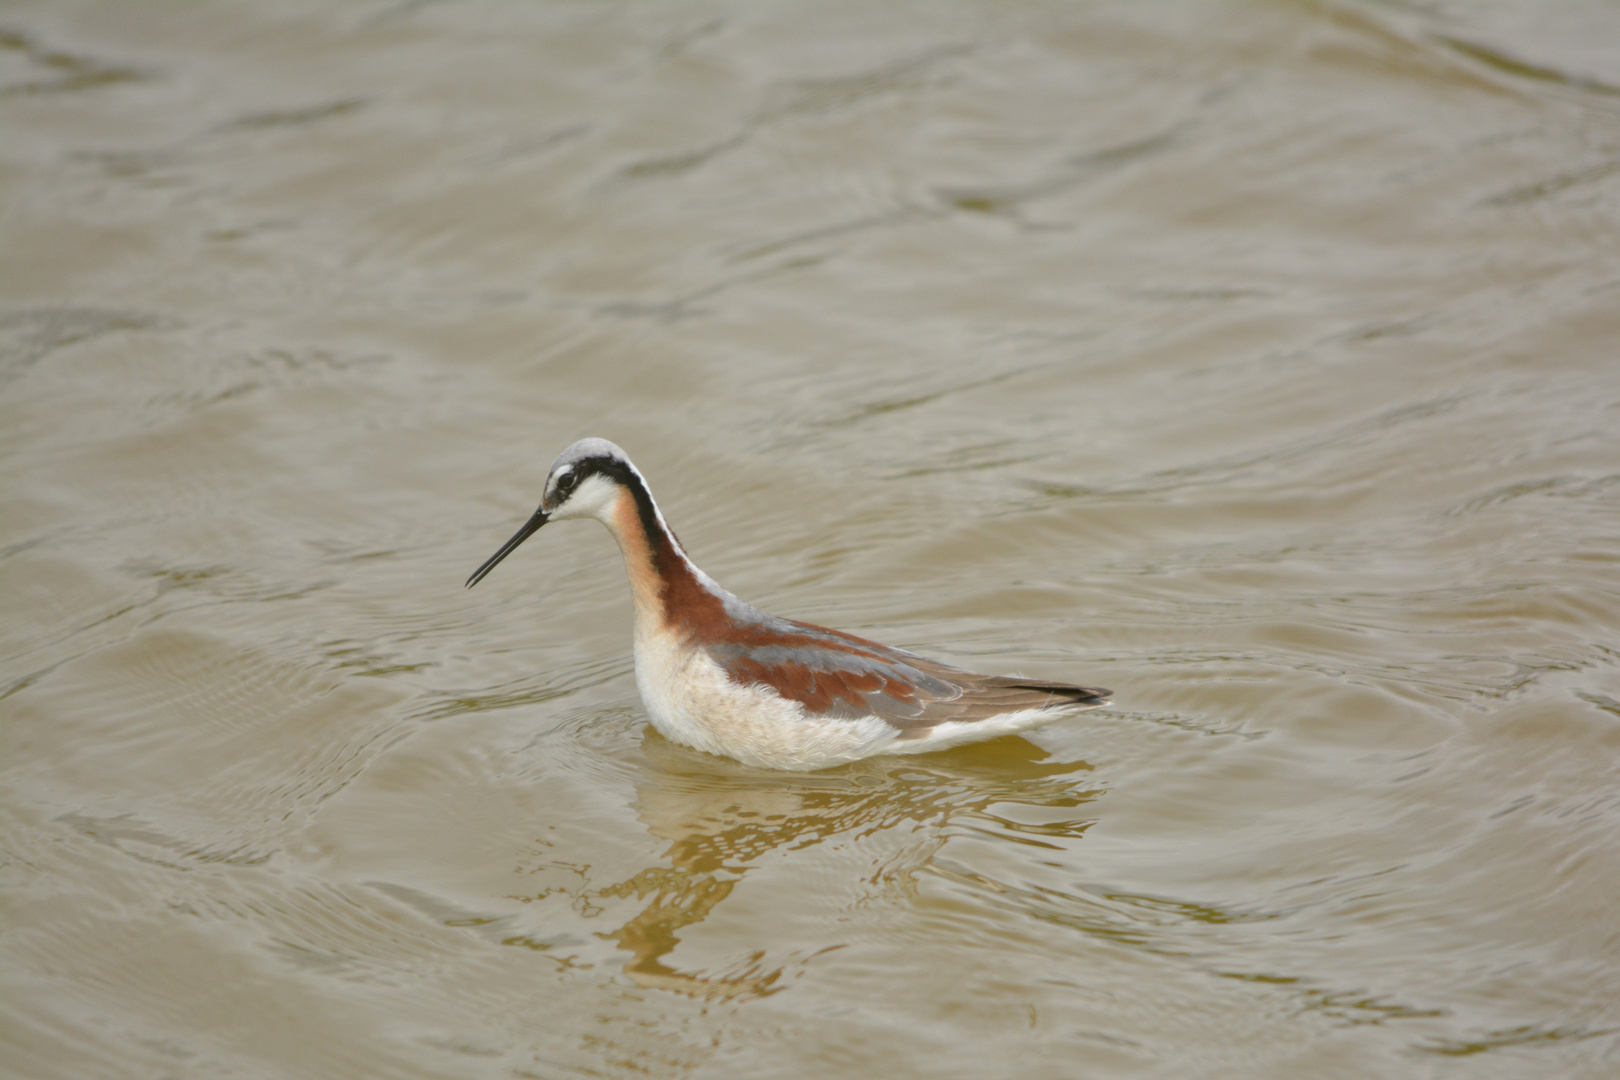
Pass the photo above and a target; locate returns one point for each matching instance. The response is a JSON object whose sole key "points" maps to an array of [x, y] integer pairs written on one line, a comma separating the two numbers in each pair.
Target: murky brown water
{"points": [[1258, 360]]}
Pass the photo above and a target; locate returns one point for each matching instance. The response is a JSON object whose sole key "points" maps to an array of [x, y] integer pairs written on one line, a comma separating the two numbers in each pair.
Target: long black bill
{"points": [[530, 527]]}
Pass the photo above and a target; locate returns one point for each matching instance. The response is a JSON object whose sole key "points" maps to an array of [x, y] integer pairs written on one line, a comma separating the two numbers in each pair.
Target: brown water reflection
{"points": [[720, 819]]}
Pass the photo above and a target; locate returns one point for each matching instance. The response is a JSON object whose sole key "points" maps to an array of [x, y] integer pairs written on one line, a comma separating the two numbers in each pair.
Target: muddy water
{"points": [[1256, 360]]}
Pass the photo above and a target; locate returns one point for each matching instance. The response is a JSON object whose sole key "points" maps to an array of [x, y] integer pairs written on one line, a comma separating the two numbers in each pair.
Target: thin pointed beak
{"points": [[530, 527]]}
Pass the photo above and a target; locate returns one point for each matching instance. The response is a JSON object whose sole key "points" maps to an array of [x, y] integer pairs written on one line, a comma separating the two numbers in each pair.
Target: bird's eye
{"points": [[567, 482]]}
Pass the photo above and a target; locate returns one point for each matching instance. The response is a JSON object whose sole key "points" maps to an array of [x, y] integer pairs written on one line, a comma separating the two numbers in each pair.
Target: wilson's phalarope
{"points": [[722, 676]]}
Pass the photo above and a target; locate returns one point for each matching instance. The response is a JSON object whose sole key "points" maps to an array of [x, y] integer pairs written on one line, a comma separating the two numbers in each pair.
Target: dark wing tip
{"points": [[1071, 695]]}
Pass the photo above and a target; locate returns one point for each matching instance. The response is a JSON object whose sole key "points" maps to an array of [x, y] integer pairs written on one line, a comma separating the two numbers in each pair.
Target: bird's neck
{"points": [[671, 594]]}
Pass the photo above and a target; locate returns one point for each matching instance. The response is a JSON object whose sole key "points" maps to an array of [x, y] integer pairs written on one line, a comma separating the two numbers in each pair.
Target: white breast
{"points": [[690, 699]]}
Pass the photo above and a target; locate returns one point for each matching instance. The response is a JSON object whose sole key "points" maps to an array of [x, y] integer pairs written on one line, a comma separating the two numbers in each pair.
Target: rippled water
{"points": [[1256, 360]]}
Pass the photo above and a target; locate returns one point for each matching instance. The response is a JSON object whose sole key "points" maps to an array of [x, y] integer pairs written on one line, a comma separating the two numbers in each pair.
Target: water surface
{"points": [[1254, 359]]}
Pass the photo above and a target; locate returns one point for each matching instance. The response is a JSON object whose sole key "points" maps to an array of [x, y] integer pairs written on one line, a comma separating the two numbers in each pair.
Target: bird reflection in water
{"points": [[721, 818]]}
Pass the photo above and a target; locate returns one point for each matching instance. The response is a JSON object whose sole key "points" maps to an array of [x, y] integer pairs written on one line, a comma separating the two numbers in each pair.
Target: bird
{"points": [[721, 676]]}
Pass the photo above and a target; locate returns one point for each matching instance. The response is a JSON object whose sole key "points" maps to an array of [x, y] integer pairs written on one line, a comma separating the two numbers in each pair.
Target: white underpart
{"points": [[690, 699], [958, 733]]}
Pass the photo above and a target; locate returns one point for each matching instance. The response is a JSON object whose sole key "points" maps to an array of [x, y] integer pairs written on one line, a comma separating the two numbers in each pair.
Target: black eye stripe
{"points": [[579, 471]]}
